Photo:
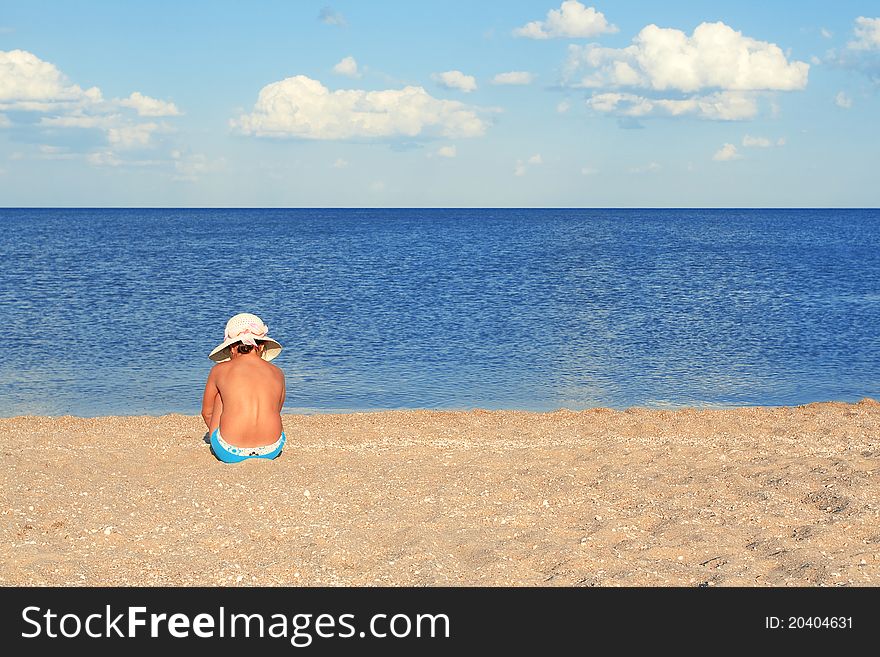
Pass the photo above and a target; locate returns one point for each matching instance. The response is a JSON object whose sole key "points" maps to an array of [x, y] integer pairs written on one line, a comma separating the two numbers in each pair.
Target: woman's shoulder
{"points": [[277, 370], [219, 368]]}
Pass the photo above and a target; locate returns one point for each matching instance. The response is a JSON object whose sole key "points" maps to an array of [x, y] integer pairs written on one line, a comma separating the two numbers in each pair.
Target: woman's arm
{"points": [[209, 398]]}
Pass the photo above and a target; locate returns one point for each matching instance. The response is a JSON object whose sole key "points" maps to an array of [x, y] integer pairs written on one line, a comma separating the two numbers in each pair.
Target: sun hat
{"points": [[247, 329]]}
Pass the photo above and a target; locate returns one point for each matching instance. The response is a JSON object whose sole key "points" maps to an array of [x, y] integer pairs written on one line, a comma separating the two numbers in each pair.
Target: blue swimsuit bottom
{"points": [[232, 454]]}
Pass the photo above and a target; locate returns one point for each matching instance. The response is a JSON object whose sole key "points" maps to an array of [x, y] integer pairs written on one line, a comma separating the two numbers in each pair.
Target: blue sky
{"points": [[454, 104]]}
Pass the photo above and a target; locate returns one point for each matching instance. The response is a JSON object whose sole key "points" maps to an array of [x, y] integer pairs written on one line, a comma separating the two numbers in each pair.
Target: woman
{"points": [[244, 393]]}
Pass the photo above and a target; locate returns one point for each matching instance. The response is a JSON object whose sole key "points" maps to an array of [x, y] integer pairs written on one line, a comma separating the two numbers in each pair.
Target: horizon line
{"points": [[432, 207]]}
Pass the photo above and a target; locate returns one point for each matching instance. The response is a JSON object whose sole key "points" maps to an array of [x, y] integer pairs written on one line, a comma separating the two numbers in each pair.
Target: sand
{"points": [[786, 496]]}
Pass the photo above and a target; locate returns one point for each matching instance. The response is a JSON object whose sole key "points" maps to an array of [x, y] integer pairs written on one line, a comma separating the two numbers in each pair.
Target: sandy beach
{"points": [[772, 496]]}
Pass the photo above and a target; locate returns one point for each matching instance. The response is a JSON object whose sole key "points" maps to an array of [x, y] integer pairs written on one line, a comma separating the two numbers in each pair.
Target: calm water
{"points": [[115, 311]]}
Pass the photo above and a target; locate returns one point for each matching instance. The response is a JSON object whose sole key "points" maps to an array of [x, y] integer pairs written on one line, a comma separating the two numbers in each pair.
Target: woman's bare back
{"points": [[251, 394]]}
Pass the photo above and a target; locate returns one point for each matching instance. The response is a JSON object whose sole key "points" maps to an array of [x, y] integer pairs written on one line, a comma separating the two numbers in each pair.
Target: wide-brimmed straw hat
{"points": [[247, 329]]}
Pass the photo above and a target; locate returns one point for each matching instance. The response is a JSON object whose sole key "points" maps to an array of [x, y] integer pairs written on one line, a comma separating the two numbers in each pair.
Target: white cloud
{"points": [[842, 100], [80, 120], [455, 80], [103, 159], [715, 56], [120, 132], [132, 136], [571, 20], [146, 106], [522, 166], [589, 171], [722, 106], [867, 34], [340, 163], [447, 151], [726, 153], [4, 121], [189, 167], [29, 83], [651, 167], [302, 107], [862, 53], [513, 77], [761, 142], [347, 66], [563, 106], [826, 34], [330, 16], [49, 152], [625, 104]]}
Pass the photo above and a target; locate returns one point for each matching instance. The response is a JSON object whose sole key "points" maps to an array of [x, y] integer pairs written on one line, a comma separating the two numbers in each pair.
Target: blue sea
{"points": [[114, 311]]}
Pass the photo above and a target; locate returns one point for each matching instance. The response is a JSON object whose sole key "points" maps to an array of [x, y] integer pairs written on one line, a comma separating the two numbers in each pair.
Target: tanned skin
{"points": [[244, 397]]}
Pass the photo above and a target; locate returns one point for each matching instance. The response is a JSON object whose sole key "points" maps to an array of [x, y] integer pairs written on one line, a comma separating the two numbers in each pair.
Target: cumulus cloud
{"points": [[455, 80], [120, 132], [330, 16], [842, 100], [862, 52], [49, 152], [826, 34], [521, 166], [513, 77], [30, 84], [651, 167], [715, 56], [340, 163], [146, 106], [726, 153], [103, 159], [715, 73], [571, 20], [81, 120], [189, 167], [447, 151], [866, 33], [132, 136], [4, 121], [97, 158], [348, 67], [563, 106], [761, 142], [302, 107], [722, 106]]}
